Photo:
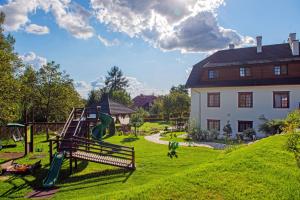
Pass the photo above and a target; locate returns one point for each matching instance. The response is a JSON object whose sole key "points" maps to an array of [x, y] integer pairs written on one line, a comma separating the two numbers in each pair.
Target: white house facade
{"points": [[263, 103], [240, 86]]}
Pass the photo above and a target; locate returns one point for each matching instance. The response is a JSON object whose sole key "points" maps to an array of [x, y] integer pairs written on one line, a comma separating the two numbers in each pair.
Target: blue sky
{"points": [[87, 38]]}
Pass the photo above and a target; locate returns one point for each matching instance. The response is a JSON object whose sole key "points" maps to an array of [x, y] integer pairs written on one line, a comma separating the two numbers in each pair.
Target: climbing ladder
{"points": [[74, 140]]}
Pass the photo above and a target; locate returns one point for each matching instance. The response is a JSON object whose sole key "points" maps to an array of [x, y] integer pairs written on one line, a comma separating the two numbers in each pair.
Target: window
{"points": [[244, 125], [213, 99], [245, 71], [281, 99], [280, 70], [245, 99], [212, 74], [213, 124]]}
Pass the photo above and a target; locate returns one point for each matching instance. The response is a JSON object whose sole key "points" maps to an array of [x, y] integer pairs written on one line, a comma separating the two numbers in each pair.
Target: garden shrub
{"points": [[293, 145], [292, 121], [213, 134], [271, 127], [249, 133]]}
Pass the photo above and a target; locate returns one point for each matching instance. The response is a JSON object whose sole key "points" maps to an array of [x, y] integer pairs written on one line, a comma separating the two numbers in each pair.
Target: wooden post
{"points": [[133, 158], [25, 139], [75, 163], [50, 151], [31, 138], [47, 132], [71, 158]]}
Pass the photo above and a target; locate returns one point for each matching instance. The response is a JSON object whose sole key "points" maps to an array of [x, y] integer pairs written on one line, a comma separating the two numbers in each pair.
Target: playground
{"points": [[91, 179]]}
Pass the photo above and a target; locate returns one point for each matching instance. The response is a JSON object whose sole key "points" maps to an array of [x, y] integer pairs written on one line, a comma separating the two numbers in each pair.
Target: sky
{"points": [[154, 42]]}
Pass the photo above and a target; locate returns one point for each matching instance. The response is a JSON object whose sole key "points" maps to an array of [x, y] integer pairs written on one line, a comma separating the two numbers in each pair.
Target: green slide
{"points": [[98, 130], [53, 173]]}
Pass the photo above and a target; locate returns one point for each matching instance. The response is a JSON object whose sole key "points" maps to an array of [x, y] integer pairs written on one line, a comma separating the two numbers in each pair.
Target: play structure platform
{"points": [[81, 139]]}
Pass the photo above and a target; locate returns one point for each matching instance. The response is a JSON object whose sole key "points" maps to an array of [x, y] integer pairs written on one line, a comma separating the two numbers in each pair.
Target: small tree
{"points": [[227, 131], [137, 119], [270, 127]]}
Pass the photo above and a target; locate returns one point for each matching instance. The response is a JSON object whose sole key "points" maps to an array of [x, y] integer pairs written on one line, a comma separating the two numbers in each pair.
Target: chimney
{"points": [[259, 44], [292, 37], [231, 46], [295, 47]]}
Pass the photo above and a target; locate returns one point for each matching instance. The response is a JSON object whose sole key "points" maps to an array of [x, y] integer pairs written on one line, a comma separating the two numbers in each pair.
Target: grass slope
{"points": [[96, 180], [263, 170]]}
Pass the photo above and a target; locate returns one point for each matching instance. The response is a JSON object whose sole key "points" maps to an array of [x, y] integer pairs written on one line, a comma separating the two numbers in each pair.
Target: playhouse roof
{"points": [[111, 107]]}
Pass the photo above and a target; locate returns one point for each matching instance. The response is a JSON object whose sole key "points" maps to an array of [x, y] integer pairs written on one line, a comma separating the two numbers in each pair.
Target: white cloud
{"points": [[135, 88], [188, 26], [108, 43], [68, 15], [34, 60], [36, 29]]}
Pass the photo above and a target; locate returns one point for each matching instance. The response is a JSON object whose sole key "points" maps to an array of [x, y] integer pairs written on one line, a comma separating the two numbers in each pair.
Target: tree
{"points": [[28, 90], [57, 95], [180, 102], [180, 89], [94, 97], [157, 107], [121, 96], [227, 131], [9, 85], [137, 119], [115, 80], [168, 106]]}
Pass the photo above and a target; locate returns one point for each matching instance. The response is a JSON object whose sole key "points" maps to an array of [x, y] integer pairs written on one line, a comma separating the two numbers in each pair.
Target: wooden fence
{"points": [[38, 128]]}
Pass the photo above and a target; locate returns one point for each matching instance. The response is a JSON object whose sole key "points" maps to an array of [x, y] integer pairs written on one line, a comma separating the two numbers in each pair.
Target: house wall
{"points": [[228, 110]]}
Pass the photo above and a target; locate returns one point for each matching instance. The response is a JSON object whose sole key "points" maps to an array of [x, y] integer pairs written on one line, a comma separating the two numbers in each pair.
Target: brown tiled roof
{"points": [[240, 56], [111, 107], [142, 100]]}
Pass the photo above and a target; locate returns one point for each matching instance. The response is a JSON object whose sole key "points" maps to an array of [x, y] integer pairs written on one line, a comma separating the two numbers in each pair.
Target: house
{"points": [[144, 101], [241, 85]]}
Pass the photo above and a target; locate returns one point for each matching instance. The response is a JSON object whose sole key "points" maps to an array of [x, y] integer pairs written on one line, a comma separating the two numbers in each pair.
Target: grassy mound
{"points": [[263, 170]]}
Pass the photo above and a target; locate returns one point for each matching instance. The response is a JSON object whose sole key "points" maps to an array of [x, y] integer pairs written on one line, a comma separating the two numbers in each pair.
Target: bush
{"points": [[293, 145], [271, 127], [292, 121], [249, 133], [213, 134]]}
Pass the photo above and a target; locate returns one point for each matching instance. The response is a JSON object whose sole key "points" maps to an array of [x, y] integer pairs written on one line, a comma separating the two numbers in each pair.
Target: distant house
{"points": [[240, 85], [144, 101]]}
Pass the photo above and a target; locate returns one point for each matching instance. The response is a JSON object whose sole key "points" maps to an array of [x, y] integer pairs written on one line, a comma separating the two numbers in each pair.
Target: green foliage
{"points": [[293, 145], [227, 130], [121, 96], [56, 94], [292, 121], [115, 80], [157, 107], [9, 85], [172, 149], [249, 133], [179, 89], [94, 97], [137, 119], [271, 127], [213, 134]]}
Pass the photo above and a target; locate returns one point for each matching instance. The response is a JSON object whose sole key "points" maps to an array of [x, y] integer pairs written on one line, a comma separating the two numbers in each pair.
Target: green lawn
{"points": [[173, 136], [263, 170], [100, 181], [154, 126]]}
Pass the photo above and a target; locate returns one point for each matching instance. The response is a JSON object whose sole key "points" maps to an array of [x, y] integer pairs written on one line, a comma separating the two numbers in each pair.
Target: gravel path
{"points": [[156, 139]]}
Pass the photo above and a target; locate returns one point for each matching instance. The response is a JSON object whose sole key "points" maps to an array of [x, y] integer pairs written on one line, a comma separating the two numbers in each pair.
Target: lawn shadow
{"points": [[108, 176], [130, 139]]}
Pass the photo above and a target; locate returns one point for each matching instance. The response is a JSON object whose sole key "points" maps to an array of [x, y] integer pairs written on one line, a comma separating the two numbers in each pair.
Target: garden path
{"points": [[156, 139]]}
